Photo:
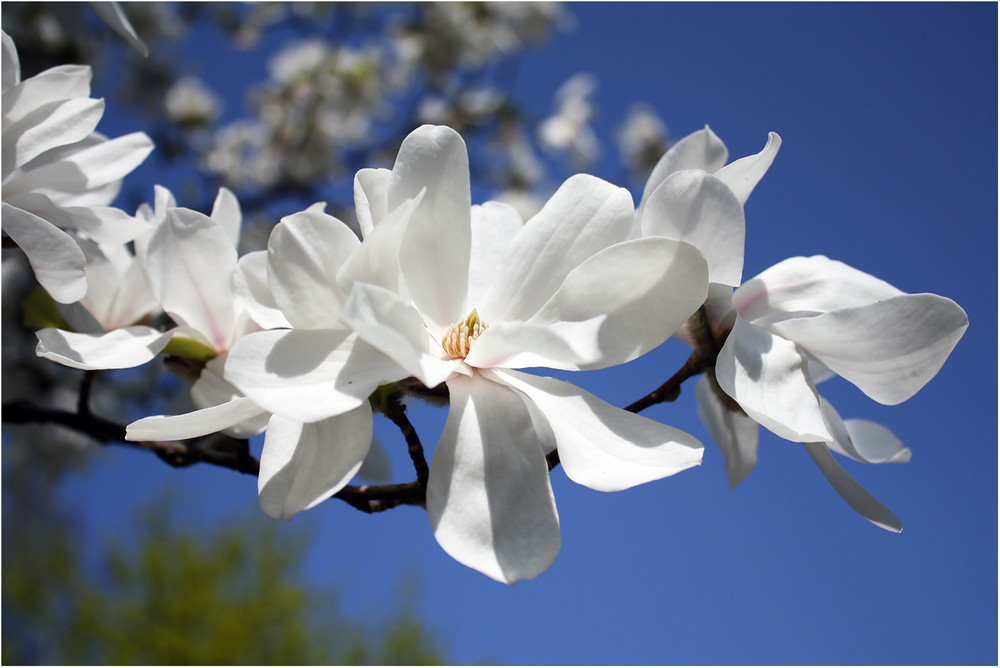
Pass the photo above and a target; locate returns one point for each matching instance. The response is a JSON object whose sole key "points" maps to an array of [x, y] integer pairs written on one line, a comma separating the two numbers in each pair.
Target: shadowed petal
{"points": [[730, 428], [851, 491], [54, 256]]}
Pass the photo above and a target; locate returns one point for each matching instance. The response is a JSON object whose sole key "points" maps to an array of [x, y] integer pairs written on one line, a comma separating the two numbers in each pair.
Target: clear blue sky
{"points": [[889, 163]]}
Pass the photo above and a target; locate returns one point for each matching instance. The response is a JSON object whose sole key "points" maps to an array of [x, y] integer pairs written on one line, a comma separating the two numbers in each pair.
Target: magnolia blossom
{"points": [[58, 174], [569, 129], [446, 292], [803, 321]]}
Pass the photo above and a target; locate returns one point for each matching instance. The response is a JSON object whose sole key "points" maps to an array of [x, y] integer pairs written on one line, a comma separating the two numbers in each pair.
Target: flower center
{"points": [[458, 339]]}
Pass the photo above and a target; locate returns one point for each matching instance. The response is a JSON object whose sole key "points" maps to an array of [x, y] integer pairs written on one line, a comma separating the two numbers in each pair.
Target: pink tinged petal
{"points": [[889, 349], [253, 293], [196, 423], [112, 14], [766, 375], [601, 446], [226, 212], [862, 440], [851, 491], [583, 217], [743, 175], [54, 124], [302, 465], [646, 288], [11, 64], [371, 198], [64, 82], [54, 256], [699, 150], [805, 286], [376, 260], [494, 225], [734, 433], [307, 375], [489, 498], [394, 327], [189, 260], [434, 255], [304, 253], [698, 208], [118, 349]]}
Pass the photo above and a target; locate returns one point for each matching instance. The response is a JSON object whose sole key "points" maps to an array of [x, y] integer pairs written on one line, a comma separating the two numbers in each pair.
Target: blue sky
{"points": [[889, 163]]}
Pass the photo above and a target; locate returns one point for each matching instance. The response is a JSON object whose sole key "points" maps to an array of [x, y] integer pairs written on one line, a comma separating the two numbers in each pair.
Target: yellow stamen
{"points": [[458, 339]]}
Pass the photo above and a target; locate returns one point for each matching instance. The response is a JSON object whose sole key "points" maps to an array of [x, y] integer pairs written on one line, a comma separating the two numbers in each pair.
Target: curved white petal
{"points": [[851, 491], [699, 150], [63, 82], [304, 252], [189, 261], [11, 72], [196, 423], [489, 498], [118, 349], [307, 375], [434, 255], [862, 440], [395, 328], [517, 345], [807, 285], [583, 217], [51, 125], [249, 283], [601, 446], [766, 375], [645, 289], [730, 428], [889, 349], [696, 207], [301, 465], [113, 14], [212, 389], [226, 212], [494, 225], [54, 256], [376, 260], [371, 198], [743, 175]]}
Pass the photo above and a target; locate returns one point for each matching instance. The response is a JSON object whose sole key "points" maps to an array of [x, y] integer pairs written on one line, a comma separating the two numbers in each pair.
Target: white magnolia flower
{"points": [[58, 174], [190, 102], [468, 295], [803, 321], [569, 130]]}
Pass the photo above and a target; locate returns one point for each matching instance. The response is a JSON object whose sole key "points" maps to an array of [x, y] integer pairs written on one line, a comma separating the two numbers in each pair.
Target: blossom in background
{"points": [[642, 139], [58, 174], [191, 103], [568, 130], [447, 292]]}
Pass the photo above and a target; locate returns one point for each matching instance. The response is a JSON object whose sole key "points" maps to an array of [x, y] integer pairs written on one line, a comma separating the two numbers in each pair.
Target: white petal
{"points": [[851, 491], [226, 212], [766, 375], [54, 124], [307, 375], [55, 84], [696, 207], [55, 257], [114, 16], [371, 198], [730, 428], [196, 423], [249, 283], [583, 217], [11, 63], [889, 349], [807, 285], [494, 225], [601, 446], [396, 329], [301, 465], [189, 261], [303, 255], [518, 345], [376, 260], [645, 288], [489, 498], [211, 389], [699, 150], [118, 349], [434, 256], [743, 175], [862, 440]]}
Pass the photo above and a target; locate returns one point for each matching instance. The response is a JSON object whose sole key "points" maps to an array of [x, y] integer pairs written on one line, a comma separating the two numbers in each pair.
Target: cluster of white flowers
{"points": [[298, 340]]}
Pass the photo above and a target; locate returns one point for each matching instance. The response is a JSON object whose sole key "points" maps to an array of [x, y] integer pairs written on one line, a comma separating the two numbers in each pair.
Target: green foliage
{"points": [[230, 594]]}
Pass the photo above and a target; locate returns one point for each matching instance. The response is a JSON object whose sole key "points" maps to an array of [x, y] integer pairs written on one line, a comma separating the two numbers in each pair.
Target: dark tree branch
{"points": [[396, 411]]}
